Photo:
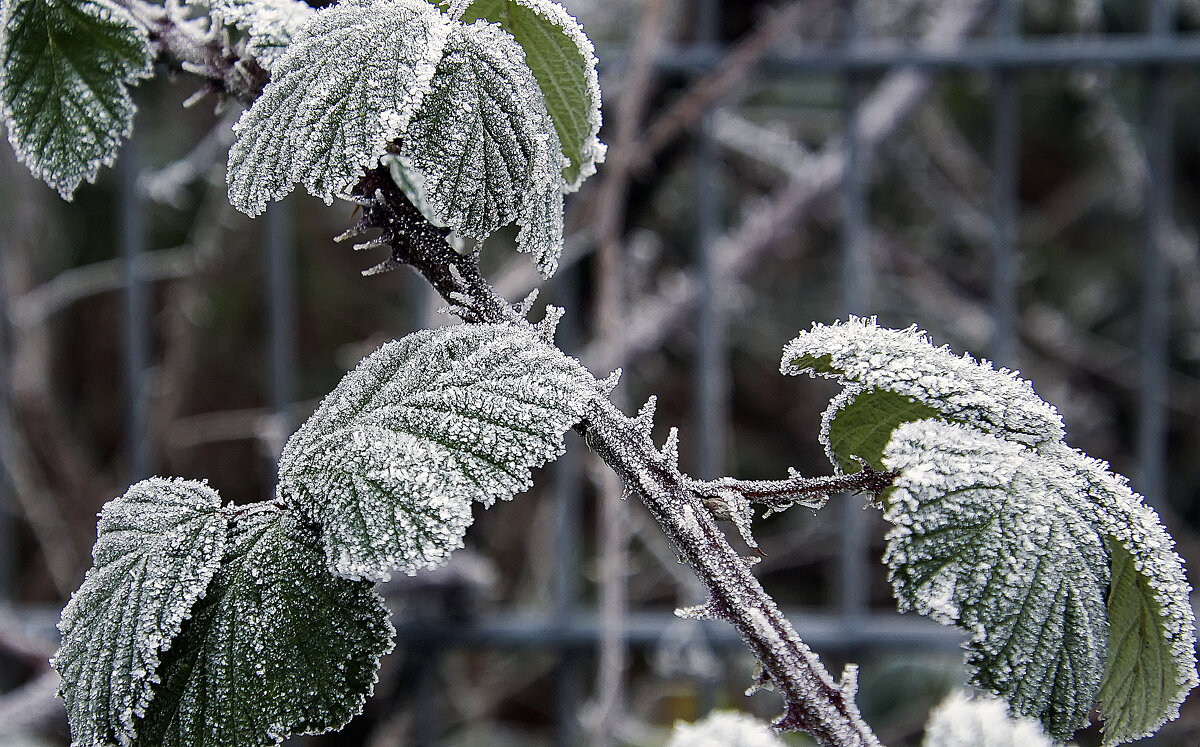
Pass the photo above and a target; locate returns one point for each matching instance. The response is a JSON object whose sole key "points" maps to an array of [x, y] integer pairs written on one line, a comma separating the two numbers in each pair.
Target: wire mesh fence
{"points": [[920, 161]]}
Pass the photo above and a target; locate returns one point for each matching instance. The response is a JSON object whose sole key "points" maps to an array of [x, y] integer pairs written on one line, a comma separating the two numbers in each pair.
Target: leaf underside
{"points": [[66, 69], [157, 548], [393, 458], [564, 62], [860, 424], [277, 647]]}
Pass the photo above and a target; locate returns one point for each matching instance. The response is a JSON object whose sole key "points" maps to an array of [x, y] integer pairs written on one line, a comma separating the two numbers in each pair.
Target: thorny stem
{"points": [[814, 702], [778, 495]]}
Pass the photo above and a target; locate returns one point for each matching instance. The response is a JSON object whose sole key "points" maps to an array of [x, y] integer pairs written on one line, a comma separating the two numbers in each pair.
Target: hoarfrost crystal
{"points": [[981, 722], [724, 729]]}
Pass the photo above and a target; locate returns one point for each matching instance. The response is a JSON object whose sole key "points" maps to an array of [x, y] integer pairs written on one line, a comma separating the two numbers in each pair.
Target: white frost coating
{"points": [[347, 85], [67, 116], [157, 548], [993, 537], [724, 729], [393, 458], [981, 722], [486, 146], [861, 352], [269, 24]]}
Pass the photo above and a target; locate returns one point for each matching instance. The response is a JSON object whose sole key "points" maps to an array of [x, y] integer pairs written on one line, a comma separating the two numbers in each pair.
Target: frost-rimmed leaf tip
{"points": [[393, 458], [157, 548], [64, 85]]}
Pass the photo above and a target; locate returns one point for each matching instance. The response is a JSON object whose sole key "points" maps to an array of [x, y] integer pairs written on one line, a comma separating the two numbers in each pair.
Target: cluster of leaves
{"points": [[242, 625], [1066, 581], [489, 110]]}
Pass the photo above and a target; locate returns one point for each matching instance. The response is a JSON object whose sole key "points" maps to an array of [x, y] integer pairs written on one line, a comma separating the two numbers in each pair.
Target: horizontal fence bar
{"points": [[819, 630], [1026, 52]]}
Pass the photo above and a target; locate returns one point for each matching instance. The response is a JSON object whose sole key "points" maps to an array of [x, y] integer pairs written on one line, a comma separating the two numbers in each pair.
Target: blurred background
{"points": [[1019, 179]]}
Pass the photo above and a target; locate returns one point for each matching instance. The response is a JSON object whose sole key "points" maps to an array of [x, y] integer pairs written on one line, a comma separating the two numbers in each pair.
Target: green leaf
{"points": [[860, 424], [960, 389], [157, 548], [67, 66], [346, 87], [277, 647], [997, 539], [391, 461], [486, 147], [564, 62], [1152, 643]]}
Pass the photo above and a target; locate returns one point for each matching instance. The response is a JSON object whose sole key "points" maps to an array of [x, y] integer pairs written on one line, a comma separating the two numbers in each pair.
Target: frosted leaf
{"points": [[346, 86], [67, 66], [277, 647], [391, 461], [268, 24], [905, 363], [724, 729], [962, 721], [997, 539], [156, 550], [486, 146], [858, 424], [564, 62], [1151, 658]]}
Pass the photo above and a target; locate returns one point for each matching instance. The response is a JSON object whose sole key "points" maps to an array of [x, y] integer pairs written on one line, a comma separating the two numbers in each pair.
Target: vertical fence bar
{"points": [[1152, 419], [281, 321], [568, 525], [710, 382], [131, 237], [8, 509], [853, 571], [1005, 136]]}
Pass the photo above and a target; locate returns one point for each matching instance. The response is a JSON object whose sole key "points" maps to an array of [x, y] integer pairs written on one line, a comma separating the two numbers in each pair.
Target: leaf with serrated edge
{"points": [[486, 146], [268, 24], [1152, 645], [277, 647], [564, 62], [859, 424], [997, 539], [961, 389], [67, 66], [346, 87], [391, 461], [156, 550]]}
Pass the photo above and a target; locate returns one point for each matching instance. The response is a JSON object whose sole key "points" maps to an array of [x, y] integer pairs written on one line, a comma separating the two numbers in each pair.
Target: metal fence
{"points": [[570, 626]]}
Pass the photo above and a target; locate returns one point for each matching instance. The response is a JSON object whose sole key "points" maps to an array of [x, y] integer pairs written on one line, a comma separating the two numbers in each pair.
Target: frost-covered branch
{"points": [[778, 495], [814, 701], [195, 47]]}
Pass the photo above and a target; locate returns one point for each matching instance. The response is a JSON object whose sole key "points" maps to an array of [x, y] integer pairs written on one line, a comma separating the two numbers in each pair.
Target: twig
{"points": [[778, 495]]}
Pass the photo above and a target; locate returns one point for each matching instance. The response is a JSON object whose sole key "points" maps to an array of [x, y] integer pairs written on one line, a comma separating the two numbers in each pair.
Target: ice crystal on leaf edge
{"points": [[897, 377], [269, 25]]}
